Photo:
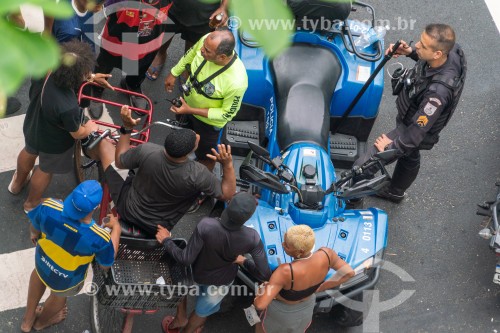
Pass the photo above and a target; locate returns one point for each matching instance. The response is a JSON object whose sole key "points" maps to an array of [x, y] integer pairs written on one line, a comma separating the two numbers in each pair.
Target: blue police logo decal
{"points": [[209, 89]]}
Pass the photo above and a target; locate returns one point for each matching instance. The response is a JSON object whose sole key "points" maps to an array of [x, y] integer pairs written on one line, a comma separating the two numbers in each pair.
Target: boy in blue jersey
{"points": [[67, 240], [79, 26]]}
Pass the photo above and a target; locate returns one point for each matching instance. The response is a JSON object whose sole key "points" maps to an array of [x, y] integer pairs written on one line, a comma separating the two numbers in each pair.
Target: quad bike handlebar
{"points": [[310, 198], [379, 160]]}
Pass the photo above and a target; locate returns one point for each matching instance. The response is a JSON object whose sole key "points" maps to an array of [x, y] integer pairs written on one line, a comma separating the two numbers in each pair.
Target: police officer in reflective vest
{"points": [[427, 97]]}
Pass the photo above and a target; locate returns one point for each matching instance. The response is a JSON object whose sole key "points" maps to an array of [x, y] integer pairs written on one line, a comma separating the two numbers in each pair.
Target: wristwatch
{"points": [[124, 130]]}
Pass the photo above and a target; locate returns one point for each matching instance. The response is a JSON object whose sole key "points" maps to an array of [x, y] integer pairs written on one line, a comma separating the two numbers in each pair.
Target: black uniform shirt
{"points": [[416, 118]]}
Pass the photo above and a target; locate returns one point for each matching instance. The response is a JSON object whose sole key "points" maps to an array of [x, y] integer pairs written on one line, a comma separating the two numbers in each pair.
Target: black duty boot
{"points": [[354, 204], [391, 194], [404, 175]]}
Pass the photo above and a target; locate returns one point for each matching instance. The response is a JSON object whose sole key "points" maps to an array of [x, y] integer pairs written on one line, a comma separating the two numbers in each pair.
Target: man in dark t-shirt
{"points": [[166, 181]]}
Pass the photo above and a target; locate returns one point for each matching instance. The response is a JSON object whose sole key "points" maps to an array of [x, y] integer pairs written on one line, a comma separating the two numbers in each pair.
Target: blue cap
{"points": [[83, 200]]}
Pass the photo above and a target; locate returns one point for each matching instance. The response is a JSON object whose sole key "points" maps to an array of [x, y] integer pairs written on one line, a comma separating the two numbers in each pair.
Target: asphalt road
{"points": [[432, 234]]}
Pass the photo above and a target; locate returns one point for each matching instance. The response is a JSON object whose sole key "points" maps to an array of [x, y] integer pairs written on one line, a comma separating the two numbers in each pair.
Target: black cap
{"points": [[239, 210]]}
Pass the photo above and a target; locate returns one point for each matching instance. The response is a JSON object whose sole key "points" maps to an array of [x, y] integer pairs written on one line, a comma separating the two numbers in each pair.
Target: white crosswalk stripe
{"points": [[15, 276], [11, 141], [494, 7]]}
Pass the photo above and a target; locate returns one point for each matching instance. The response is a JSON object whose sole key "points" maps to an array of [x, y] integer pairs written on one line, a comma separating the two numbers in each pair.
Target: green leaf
{"points": [[62, 9], [270, 22], [3, 103], [13, 62], [24, 54], [43, 52]]}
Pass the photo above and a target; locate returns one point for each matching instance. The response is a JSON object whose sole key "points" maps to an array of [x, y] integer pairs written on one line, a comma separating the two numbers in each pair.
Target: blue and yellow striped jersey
{"points": [[67, 247]]}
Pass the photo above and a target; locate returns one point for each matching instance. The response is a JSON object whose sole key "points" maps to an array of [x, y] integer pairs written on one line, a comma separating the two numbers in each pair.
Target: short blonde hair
{"points": [[300, 237]]}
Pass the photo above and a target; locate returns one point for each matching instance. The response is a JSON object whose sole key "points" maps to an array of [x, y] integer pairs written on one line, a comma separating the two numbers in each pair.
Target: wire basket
{"points": [[142, 277]]}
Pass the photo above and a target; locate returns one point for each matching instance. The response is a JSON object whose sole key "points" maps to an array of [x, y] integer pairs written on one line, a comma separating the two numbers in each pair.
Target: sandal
{"points": [[153, 72], [9, 188], [165, 323]]}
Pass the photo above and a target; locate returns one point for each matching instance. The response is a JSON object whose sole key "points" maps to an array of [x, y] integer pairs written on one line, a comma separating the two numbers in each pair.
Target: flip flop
{"points": [[167, 320], [155, 72], [9, 188]]}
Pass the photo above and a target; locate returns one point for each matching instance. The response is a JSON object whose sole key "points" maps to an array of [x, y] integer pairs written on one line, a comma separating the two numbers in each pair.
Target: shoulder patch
{"points": [[429, 109], [422, 121], [435, 100], [209, 89]]}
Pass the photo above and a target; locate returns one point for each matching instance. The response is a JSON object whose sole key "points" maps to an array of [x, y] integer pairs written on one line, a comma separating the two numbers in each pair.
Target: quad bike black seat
{"points": [[306, 77]]}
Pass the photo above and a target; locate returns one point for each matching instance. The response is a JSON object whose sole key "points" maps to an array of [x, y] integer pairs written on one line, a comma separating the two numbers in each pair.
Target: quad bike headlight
{"points": [[362, 271]]}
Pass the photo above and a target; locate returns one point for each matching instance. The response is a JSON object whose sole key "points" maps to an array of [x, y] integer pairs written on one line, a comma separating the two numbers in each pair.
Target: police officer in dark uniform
{"points": [[427, 97]]}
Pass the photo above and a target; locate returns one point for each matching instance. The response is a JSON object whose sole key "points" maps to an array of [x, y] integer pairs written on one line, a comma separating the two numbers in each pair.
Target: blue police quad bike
{"points": [[311, 108]]}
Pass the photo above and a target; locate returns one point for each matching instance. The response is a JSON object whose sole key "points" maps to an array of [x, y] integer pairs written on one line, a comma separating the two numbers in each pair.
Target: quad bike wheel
{"points": [[85, 168], [344, 315]]}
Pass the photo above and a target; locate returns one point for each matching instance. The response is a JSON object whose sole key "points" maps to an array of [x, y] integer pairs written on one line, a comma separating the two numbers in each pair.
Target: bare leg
{"points": [[35, 292], [39, 183], [259, 328], [159, 59], [181, 318], [194, 323], [54, 311], [25, 163], [104, 152]]}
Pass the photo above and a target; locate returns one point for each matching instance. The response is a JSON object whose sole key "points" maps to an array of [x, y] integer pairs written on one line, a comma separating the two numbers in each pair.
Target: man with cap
{"points": [[214, 250], [166, 181], [67, 240]]}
